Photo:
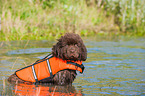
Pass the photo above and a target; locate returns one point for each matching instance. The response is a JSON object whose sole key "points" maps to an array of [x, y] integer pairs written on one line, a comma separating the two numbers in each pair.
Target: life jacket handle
{"points": [[46, 57]]}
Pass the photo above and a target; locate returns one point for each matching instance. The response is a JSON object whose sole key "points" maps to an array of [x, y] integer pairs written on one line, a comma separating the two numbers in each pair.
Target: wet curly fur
{"points": [[69, 47]]}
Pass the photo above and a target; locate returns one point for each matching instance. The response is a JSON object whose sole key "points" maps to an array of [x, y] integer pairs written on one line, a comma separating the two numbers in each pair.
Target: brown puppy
{"points": [[69, 47]]}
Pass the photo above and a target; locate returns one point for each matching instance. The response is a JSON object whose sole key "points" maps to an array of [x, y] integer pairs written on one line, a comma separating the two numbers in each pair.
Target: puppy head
{"points": [[70, 47]]}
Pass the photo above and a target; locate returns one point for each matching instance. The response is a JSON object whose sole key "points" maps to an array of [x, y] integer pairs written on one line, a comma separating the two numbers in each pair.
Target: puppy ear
{"points": [[83, 53]]}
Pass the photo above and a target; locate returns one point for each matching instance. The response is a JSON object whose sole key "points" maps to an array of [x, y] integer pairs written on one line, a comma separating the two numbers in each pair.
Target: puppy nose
{"points": [[72, 50]]}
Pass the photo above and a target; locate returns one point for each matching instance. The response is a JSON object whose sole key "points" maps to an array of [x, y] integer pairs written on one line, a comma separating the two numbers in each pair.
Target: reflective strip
{"points": [[49, 56], [33, 70], [49, 67]]}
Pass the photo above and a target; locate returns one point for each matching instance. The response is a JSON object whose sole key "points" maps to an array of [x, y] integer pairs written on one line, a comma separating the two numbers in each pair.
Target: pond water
{"points": [[115, 66]]}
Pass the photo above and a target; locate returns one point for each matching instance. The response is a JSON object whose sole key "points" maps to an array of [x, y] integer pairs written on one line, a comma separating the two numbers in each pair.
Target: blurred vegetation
{"points": [[49, 19]]}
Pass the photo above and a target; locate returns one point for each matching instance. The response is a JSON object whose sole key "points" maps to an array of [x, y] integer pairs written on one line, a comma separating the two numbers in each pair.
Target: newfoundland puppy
{"points": [[69, 48]]}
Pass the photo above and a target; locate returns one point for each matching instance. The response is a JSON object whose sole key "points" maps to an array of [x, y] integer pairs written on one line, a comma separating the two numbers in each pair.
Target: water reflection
{"points": [[114, 67], [44, 90]]}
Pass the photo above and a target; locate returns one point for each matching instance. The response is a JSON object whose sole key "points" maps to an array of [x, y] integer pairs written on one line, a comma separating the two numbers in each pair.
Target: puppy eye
{"points": [[76, 45]]}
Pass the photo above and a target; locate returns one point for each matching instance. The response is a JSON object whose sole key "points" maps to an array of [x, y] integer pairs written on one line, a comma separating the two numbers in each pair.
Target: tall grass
{"points": [[47, 19], [129, 14]]}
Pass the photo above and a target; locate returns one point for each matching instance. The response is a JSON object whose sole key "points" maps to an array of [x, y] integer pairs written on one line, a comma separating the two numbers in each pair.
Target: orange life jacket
{"points": [[46, 68]]}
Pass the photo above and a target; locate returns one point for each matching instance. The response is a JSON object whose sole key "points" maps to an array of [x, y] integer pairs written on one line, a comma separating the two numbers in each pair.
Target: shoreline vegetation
{"points": [[49, 19]]}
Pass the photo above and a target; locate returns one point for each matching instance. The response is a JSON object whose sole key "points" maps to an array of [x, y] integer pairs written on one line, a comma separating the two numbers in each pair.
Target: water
{"points": [[114, 67]]}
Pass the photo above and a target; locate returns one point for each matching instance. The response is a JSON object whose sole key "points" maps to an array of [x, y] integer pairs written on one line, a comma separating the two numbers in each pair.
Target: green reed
{"points": [[49, 19], [129, 14]]}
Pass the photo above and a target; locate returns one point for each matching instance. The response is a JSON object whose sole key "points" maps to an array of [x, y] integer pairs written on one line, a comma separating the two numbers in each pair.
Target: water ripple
{"points": [[29, 51]]}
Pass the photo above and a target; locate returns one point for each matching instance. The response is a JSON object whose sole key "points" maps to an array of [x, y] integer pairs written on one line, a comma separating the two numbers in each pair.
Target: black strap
{"points": [[46, 57], [76, 64]]}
